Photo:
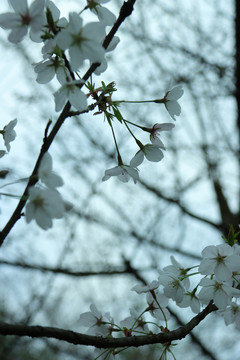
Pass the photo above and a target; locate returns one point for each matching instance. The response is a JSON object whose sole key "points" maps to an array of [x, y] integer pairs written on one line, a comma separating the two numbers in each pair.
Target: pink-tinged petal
{"points": [[137, 159], [19, 6]]}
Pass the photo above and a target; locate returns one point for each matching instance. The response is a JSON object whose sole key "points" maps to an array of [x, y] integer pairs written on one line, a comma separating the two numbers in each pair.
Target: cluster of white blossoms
{"points": [[221, 270], [66, 45], [151, 151]]}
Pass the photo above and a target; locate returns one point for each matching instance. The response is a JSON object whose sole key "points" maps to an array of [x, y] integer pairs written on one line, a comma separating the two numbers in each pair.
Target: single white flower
{"points": [[170, 101], [156, 129], [232, 314], [46, 174], [177, 268], [173, 286], [134, 322], [151, 152], [94, 321], [23, 18], [83, 42], [8, 133], [47, 69], [221, 292], [123, 173], [146, 288], [70, 91], [157, 306], [219, 260], [44, 205]]}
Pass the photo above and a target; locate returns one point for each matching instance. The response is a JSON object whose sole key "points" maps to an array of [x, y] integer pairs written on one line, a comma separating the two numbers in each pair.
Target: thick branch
{"points": [[97, 341]]}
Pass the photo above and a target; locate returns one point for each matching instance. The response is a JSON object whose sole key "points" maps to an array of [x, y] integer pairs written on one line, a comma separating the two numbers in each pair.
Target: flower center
{"points": [[26, 19]]}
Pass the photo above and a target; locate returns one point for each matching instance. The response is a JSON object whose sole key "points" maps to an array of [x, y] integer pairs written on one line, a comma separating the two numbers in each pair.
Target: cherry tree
{"points": [[67, 44]]}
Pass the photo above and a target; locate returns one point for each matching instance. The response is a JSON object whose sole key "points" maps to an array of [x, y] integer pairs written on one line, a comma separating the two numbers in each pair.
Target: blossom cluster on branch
{"points": [[219, 285], [67, 45]]}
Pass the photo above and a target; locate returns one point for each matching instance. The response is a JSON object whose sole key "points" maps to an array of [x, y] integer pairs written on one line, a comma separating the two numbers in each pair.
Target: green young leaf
{"points": [[232, 237], [117, 114]]}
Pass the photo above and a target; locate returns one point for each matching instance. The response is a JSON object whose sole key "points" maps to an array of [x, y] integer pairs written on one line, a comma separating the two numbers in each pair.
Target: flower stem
{"points": [[120, 162]]}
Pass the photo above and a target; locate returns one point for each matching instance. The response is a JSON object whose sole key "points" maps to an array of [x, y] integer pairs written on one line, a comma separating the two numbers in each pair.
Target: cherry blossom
{"points": [[123, 173], [156, 129], [23, 18], [170, 101], [46, 70], [134, 323], [8, 133], [220, 292], [151, 152], [46, 174], [157, 305], [71, 91], [44, 205], [219, 260], [232, 314], [83, 42], [173, 286], [94, 321]]}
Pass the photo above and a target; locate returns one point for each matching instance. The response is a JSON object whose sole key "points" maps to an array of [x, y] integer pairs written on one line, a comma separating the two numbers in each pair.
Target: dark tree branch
{"points": [[107, 271], [100, 342]]}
